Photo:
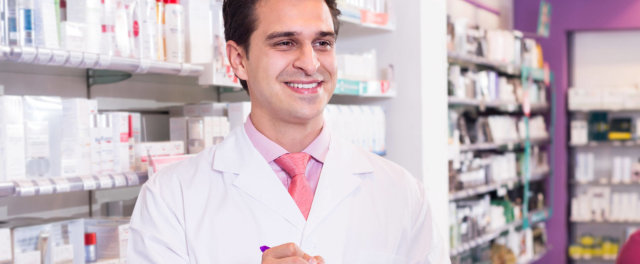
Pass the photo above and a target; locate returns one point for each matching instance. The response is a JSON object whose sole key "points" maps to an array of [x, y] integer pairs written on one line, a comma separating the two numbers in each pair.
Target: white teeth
{"points": [[303, 86]]}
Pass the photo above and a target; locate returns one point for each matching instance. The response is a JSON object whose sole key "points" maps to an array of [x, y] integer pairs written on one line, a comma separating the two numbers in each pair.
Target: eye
{"points": [[284, 43], [324, 44]]}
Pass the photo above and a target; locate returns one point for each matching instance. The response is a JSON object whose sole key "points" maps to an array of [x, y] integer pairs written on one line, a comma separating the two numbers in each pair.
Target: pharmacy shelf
{"points": [[534, 217], [353, 17], [605, 222], [472, 60], [44, 186], [470, 192], [487, 188], [605, 183], [505, 106], [593, 260], [87, 60], [594, 144], [503, 146]]}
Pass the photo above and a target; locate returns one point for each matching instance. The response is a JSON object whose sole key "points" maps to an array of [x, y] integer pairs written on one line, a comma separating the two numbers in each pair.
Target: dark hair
{"points": [[240, 22]]}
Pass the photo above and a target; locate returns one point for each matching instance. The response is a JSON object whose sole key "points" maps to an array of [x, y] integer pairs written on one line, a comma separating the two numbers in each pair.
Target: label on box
{"points": [[31, 257], [5, 245], [44, 56], [104, 61], [62, 254], [132, 178], [119, 180], [44, 186], [105, 181], [90, 60], [25, 188], [62, 185], [59, 57], [75, 58], [28, 55], [88, 183]]}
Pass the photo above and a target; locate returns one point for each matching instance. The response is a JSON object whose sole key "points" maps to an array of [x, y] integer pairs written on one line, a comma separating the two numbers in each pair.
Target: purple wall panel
{"points": [[569, 16]]}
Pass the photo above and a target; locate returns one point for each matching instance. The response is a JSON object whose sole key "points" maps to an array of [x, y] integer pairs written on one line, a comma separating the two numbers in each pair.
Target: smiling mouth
{"points": [[304, 88]]}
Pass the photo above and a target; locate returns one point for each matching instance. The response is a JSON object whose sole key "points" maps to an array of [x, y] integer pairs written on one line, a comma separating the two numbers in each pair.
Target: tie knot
{"points": [[293, 163]]}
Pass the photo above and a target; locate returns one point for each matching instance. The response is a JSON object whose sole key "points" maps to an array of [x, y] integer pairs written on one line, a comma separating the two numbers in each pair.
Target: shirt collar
{"points": [[270, 150]]}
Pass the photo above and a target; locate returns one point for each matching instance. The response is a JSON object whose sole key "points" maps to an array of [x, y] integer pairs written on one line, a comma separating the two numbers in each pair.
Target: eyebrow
{"points": [[288, 34]]}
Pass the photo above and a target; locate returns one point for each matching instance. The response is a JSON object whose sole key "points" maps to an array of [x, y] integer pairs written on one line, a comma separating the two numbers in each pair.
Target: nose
{"points": [[307, 60]]}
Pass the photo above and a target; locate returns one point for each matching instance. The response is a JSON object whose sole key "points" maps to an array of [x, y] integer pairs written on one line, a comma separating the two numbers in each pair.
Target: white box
{"points": [[154, 149], [112, 237], [72, 36], [65, 242], [201, 134], [76, 137], [46, 28], [199, 31], [5, 246], [121, 133], [107, 147], [178, 129], [43, 130], [12, 139], [205, 109], [238, 114]]}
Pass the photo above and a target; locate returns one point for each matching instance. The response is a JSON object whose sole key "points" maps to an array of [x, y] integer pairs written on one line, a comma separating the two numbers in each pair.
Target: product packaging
{"points": [[148, 29], [174, 31], [76, 137], [12, 22], [199, 31], [112, 237], [12, 139], [43, 124], [238, 113], [46, 26], [178, 129], [107, 36], [146, 150], [120, 131], [56, 242]]}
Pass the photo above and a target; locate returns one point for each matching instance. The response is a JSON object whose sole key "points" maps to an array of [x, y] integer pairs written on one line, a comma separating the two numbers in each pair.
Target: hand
{"points": [[289, 253]]}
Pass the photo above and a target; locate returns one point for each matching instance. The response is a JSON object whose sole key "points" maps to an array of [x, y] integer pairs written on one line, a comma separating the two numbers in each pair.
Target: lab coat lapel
{"points": [[341, 175], [255, 177]]}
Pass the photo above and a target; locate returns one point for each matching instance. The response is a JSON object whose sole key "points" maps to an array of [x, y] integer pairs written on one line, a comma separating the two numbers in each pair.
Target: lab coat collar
{"points": [[341, 174]]}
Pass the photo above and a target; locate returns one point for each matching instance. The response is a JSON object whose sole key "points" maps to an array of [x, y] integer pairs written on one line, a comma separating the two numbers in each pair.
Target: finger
{"points": [[289, 260], [319, 259], [284, 251]]}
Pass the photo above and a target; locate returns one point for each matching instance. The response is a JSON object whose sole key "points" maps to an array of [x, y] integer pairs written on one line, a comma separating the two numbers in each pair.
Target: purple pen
{"points": [[264, 248]]}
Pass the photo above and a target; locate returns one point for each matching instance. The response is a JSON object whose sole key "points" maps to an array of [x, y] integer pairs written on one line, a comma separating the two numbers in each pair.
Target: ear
{"points": [[236, 56]]}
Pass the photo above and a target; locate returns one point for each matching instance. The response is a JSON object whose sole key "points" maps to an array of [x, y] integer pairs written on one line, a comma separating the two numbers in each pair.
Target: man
{"points": [[282, 180]]}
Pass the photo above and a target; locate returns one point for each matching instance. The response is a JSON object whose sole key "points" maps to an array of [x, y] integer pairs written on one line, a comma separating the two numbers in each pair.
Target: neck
{"points": [[293, 137]]}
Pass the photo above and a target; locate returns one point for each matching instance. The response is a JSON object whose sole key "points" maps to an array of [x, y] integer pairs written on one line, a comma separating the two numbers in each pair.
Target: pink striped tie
{"points": [[295, 164]]}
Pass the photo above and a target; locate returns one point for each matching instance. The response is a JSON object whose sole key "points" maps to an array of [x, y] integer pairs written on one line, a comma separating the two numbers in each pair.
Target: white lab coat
{"points": [[223, 204]]}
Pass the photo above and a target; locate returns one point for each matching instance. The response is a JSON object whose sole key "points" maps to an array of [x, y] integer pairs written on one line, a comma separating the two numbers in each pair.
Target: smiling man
{"points": [[282, 180]]}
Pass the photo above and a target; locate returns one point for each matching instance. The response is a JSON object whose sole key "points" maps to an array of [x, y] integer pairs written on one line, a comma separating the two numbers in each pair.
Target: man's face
{"points": [[291, 68]]}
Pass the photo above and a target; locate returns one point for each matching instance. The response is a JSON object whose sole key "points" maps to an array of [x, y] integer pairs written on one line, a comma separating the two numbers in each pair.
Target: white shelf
{"points": [[510, 184], [593, 144], [86, 60], [351, 17], [504, 67], [536, 216], [505, 145], [507, 106], [44, 186]]}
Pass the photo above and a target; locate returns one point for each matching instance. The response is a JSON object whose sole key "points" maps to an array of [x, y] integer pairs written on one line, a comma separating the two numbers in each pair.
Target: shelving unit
{"points": [[86, 60], [535, 217], [44, 186], [526, 74], [604, 152], [503, 146], [509, 184]]}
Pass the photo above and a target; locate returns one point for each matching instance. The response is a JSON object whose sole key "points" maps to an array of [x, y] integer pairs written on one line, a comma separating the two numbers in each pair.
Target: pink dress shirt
{"points": [[270, 151]]}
